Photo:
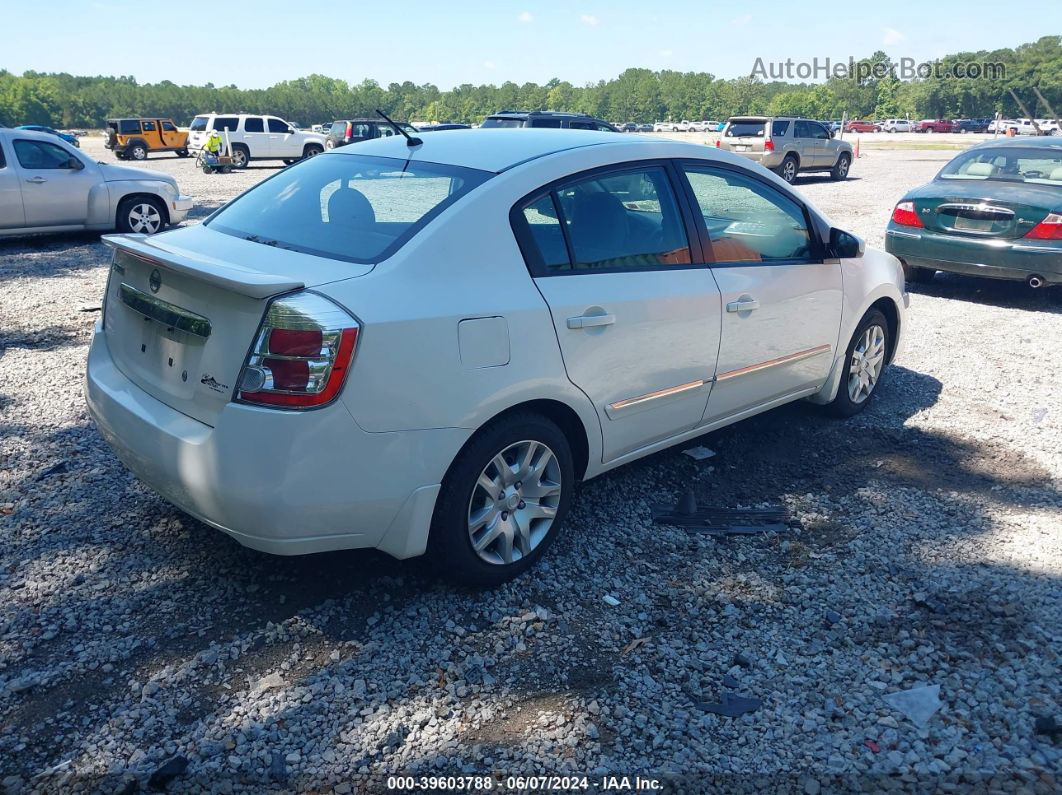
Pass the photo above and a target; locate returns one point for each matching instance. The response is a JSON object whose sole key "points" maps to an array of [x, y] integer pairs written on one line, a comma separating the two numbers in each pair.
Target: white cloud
{"points": [[665, 53], [490, 65], [744, 19], [590, 19], [525, 17], [891, 36]]}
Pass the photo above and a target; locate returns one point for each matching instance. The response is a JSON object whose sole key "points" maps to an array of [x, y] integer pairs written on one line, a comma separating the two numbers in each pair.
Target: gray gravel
{"points": [[135, 641]]}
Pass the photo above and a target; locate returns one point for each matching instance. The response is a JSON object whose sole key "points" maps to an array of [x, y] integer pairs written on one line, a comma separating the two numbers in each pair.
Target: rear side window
{"points": [[128, 126], [502, 123], [581, 125], [346, 207], [149, 126], [747, 221], [278, 126], [745, 129], [551, 123], [226, 123], [779, 129], [253, 125], [199, 123], [544, 226]]}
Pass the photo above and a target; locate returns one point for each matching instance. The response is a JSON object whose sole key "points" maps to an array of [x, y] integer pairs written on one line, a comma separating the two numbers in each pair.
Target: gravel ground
{"points": [[135, 641]]}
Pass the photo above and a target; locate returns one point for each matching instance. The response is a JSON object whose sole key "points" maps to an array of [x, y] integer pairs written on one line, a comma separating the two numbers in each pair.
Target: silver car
{"points": [[46, 185], [787, 146]]}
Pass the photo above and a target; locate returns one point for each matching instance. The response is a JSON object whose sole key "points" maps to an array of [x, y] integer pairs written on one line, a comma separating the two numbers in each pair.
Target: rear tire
{"points": [[863, 365], [507, 491], [840, 169], [788, 170], [137, 152], [240, 156]]}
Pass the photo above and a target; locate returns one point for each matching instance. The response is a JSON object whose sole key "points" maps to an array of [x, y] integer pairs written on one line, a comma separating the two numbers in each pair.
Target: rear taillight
{"points": [[718, 144], [1048, 229], [768, 145], [300, 355], [905, 215], [349, 132]]}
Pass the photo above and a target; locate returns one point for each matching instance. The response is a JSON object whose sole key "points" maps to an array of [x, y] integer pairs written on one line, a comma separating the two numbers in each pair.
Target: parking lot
{"points": [[929, 553]]}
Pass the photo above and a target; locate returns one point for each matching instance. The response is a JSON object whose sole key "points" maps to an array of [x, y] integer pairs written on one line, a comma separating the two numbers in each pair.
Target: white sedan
{"points": [[47, 185], [425, 347]]}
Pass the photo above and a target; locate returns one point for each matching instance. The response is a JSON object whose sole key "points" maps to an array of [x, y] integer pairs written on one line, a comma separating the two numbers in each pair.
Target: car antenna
{"points": [[410, 140]]}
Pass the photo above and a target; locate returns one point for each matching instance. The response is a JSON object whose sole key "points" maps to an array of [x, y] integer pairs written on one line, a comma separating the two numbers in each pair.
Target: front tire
{"points": [[311, 150], [503, 501], [182, 153], [864, 365], [840, 169], [144, 215]]}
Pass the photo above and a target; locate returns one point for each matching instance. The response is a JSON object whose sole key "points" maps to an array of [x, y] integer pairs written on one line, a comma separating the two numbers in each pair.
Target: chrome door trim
{"points": [[619, 405], [163, 312], [799, 356]]}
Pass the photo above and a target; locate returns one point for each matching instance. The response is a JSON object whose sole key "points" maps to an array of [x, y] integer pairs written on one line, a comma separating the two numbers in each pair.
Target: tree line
{"points": [[643, 95]]}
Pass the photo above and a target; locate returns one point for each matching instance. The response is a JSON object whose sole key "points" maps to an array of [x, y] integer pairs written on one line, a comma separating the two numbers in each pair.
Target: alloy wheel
{"points": [[842, 167], [789, 170], [514, 502], [145, 218], [868, 359]]}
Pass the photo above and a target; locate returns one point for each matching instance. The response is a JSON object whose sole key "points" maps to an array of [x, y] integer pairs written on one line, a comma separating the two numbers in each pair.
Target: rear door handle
{"points": [[37, 180], [744, 305], [589, 321]]}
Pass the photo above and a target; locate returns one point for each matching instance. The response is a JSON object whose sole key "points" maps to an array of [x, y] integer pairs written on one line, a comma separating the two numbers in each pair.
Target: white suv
{"points": [[424, 348], [256, 137], [898, 126]]}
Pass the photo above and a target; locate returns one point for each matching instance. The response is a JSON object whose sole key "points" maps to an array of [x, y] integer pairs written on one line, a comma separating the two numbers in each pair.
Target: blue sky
{"points": [[447, 43]]}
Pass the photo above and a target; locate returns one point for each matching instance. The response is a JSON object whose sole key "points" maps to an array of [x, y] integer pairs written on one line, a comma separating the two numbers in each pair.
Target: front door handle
{"points": [[589, 321], [37, 181], [743, 305]]}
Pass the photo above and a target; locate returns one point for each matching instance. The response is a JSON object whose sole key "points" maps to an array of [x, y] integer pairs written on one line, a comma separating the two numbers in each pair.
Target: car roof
{"points": [[496, 150], [32, 135], [1047, 142]]}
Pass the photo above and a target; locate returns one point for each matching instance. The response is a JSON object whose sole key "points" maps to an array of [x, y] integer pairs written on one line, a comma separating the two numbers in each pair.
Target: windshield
{"points": [[745, 129], [502, 123], [198, 124], [346, 207], [1008, 164]]}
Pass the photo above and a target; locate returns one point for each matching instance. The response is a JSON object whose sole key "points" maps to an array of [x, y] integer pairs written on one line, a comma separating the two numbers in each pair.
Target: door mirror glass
{"points": [[845, 245], [75, 164]]}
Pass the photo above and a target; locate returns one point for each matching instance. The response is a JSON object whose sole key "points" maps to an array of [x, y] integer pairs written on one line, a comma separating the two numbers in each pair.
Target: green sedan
{"points": [[995, 210]]}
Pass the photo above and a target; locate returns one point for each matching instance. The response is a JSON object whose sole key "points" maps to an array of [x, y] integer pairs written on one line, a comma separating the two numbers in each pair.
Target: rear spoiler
{"points": [[233, 278]]}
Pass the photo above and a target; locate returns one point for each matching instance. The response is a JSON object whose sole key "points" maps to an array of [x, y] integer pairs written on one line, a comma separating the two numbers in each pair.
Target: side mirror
{"points": [[845, 245]]}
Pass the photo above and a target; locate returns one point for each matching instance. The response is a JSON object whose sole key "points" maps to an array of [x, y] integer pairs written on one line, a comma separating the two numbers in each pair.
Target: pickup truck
{"points": [[135, 139], [935, 126]]}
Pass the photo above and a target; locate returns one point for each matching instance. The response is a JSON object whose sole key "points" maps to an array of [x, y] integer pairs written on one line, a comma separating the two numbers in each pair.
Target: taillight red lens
{"points": [[718, 144], [301, 353], [905, 215], [768, 145], [1048, 229], [349, 133]]}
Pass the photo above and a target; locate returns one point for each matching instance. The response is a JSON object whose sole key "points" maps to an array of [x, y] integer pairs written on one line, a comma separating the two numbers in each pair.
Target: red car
{"points": [[862, 126], [935, 126]]}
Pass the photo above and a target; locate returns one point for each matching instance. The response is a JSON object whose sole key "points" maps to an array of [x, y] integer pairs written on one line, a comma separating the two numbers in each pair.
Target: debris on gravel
{"points": [[139, 647]]}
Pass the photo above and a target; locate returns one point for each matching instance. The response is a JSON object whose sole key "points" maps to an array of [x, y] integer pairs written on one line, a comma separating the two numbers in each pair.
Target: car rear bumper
{"points": [[283, 482], [765, 159], [991, 257]]}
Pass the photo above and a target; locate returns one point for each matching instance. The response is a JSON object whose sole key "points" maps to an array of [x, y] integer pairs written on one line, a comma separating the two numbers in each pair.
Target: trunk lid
{"points": [[986, 209], [745, 135], [179, 322]]}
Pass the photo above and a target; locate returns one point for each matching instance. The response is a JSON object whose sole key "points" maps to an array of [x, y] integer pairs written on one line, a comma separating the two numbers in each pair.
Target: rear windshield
{"points": [[502, 123], [745, 129], [198, 124], [1009, 164], [346, 207]]}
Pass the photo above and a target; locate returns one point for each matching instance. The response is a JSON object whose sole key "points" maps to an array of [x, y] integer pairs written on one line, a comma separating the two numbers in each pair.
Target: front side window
{"points": [[627, 220], [346, 207], [580, 125], [253, 124], [38, 155], [818, 131], [149, 126], [278, 126], [550, 123], [748, 221], [502, 123], [168, 126], [803, 129], [1008, 164]]}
